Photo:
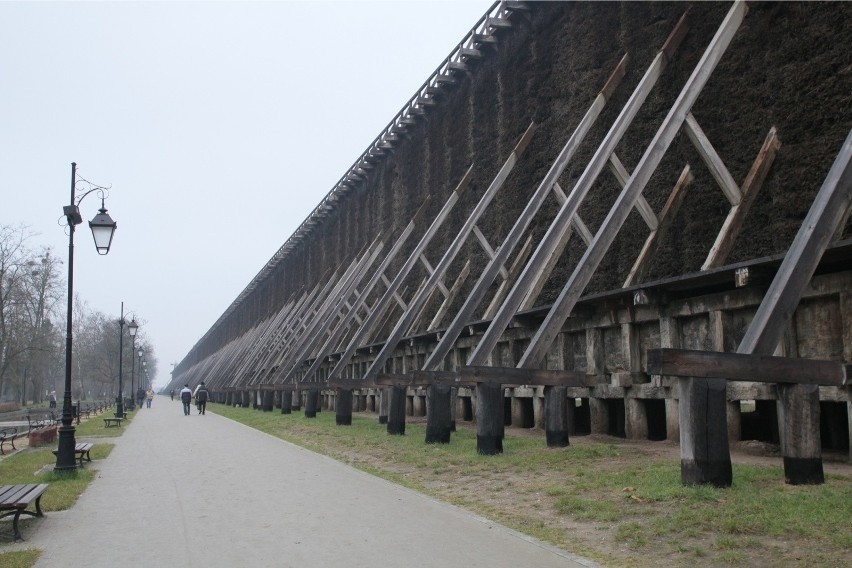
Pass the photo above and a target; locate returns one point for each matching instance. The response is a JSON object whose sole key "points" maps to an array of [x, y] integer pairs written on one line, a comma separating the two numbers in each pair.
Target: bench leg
{"points": [[15, 526]]}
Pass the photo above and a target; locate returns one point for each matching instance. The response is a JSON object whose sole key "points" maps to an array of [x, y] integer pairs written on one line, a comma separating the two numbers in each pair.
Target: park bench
{"points": [[109, 422], [8, 434], [14, 499], [36, 419], [81, 450]]}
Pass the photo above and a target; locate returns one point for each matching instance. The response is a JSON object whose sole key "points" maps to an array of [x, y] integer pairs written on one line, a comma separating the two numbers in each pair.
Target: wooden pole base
{"points": [[489, 419], [801, 443], [396, 411], [705, 455], [343, 406], [438, 415], [556, 416], [311, 401]]}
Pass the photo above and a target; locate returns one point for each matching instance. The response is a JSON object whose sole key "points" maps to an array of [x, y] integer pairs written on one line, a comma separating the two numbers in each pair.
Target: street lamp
{"points": [[102, 227], [132, 328]]}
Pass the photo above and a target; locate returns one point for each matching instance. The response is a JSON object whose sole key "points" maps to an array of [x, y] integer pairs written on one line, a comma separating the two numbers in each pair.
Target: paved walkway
{"points": [[205, 491]]}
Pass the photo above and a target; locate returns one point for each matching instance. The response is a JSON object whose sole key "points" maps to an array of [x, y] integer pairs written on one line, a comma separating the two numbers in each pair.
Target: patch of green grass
{"points": [[94, 426], [19, 558], [36, 466]]}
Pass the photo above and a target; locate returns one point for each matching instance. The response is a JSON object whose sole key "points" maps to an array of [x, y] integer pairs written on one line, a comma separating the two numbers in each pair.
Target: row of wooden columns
{"points": [[702, 377]]}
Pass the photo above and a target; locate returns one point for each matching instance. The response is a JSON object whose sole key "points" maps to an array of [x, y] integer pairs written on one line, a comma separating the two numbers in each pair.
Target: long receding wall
{"points": [[788, 67]]}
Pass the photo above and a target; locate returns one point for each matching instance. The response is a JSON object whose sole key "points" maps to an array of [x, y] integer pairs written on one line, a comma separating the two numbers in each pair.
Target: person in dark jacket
{"points": [[186, 398], [201, 396]]}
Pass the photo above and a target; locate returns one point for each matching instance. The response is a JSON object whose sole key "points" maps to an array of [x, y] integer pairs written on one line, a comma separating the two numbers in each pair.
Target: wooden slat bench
{"points": [[109, 422], [81, 450], [8, 434], [14, 499]]}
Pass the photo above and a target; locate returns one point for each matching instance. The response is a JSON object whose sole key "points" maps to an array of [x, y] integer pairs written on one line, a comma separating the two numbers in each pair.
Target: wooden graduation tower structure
{"points": [[550, 233]]}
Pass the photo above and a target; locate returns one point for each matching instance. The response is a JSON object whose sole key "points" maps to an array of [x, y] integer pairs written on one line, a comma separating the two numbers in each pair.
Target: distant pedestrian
{"points": [[172, 392], [201, 395], [186, 398], [149, 396], [52, 399], [140, 396]]}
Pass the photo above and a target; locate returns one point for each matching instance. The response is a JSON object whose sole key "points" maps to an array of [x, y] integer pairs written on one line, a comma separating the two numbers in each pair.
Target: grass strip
{"points": [[615, 502]]}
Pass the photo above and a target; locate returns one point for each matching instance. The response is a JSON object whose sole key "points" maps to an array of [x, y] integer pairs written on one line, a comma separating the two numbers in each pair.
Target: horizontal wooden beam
{"points": [[744, 367]]}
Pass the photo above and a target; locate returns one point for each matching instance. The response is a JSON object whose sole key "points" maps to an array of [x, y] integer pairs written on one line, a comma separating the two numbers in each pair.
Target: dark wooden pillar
{"points": [[297, 400], [384, 405], [704, 453], [800, 434], [343, 404], [556, 425], [311, 403], [229, 398], [246, 399], [489, 419], [396, 410], [286, 402], [438, 414], [267, 400]]}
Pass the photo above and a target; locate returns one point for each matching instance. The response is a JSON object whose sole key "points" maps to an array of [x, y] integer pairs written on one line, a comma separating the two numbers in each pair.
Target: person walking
{"points": [[52, 399], [172, 392], [201, 396], [140, 396], [186, 398], [149, 396]]}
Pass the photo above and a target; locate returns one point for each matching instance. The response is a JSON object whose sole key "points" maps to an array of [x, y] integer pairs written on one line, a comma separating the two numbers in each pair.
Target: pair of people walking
{"points": [[201, 395]]}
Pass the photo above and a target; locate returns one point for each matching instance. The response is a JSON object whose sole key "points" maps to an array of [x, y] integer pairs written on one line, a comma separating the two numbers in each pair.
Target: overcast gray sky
{"points": [[219, 126]]}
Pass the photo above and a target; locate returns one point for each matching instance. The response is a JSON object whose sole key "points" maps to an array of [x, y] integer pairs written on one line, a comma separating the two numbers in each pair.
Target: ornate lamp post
{"points": [[132, 328], [103, 228]]}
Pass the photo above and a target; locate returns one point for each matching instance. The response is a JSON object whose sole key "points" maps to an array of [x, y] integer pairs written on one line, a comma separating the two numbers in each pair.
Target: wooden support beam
{"points": [[393, 286], [746, 367], [714, 163], [511, 275], [588, 264], [486, 278], [455, 247], [732, 226], [454, 291], [486, 246], [667, 216], [561, 223], [800, 262]]}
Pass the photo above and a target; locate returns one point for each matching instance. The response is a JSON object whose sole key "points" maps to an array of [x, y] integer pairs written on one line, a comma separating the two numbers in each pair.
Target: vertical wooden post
{"points": [[311, 403], [384, 405], [396, 410], [438, 414], [343, 404], [556, 416], [286, 402], [704, 453], [296, 400], [489, 419], [800, 436], [636, 419], [267, 401], [599, 415]]}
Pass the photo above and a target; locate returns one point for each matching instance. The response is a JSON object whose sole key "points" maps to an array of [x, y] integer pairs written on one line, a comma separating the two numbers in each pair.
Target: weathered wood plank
{"points": [[732, 226], [800, 262], [714, 163], [745, 367], [667, 215]]}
